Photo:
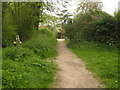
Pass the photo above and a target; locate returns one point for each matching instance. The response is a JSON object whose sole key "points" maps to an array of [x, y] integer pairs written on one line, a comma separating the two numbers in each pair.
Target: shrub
{"points": [[97, 26], [43, 44], [10, 53]]}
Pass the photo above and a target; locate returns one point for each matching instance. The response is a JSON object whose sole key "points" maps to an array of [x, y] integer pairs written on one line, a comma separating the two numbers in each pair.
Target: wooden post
{"points": [[17, 43]]}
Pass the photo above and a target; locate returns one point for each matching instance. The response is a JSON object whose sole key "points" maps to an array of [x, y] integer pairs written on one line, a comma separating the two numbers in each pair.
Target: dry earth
{"points": [[73, 73]]}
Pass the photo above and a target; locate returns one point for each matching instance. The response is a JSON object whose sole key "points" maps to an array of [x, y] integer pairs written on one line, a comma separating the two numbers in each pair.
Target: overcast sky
{"points": [[108, 5]]}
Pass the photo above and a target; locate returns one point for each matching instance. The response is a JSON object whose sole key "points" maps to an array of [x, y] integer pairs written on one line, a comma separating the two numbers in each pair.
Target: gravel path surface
{"points": [[73, 73]]}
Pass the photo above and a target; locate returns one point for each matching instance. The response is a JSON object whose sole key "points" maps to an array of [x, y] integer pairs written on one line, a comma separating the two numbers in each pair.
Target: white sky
{"points": [[109, 6]]}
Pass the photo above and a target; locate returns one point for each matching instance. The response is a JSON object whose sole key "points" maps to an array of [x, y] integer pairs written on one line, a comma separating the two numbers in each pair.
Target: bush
{"points": [[97, 26], [10, 53], [43, 44]]}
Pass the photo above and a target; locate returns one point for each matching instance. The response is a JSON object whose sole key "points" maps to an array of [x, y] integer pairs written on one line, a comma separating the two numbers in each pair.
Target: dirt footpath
{"points": [[73, 73]]}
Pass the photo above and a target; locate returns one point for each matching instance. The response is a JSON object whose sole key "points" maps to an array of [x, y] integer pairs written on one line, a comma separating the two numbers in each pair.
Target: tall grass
{"points": [[100, 59], [43, 43], [28, 68]]}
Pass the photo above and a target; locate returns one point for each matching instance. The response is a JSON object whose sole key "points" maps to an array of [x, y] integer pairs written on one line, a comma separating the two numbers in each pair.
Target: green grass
{"points": [[43, 44], [100, 59], [28, 68]]}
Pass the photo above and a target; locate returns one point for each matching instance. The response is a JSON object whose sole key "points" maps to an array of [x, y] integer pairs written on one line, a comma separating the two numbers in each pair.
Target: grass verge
{"points": [[100, 59]]}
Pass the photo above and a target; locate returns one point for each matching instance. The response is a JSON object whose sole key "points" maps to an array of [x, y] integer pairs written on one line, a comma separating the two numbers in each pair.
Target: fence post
{"points": [[17, 43]]}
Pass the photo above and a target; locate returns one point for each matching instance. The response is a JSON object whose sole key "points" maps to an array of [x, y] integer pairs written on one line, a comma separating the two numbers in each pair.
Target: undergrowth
{"points": [[28, 68], [43, 44]]}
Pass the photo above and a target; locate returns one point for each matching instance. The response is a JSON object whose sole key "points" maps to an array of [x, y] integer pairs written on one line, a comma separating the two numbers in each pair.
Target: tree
{"points": [[96, 26], [87, 6], [8, 28], [25, 16]]}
